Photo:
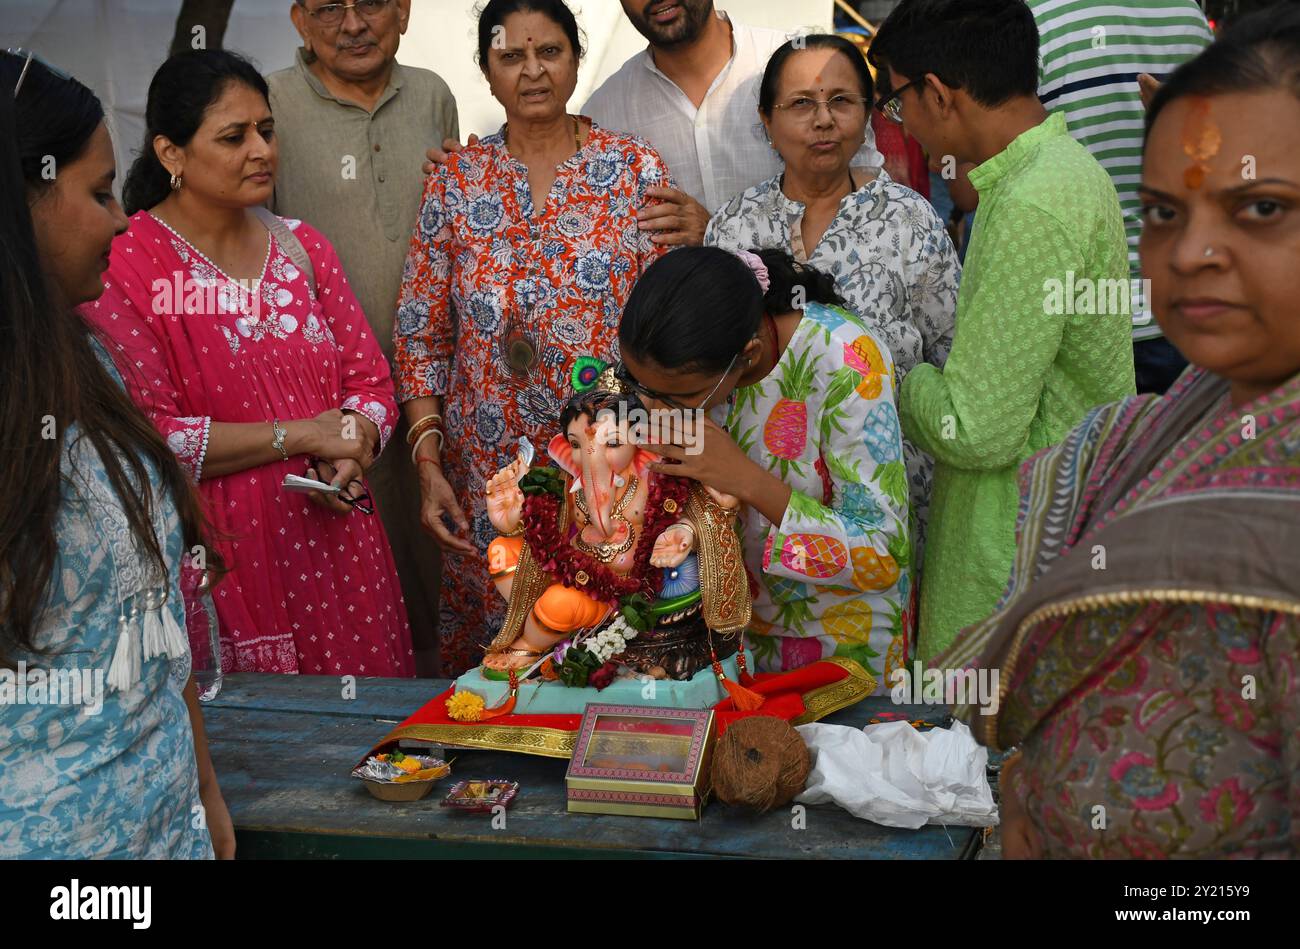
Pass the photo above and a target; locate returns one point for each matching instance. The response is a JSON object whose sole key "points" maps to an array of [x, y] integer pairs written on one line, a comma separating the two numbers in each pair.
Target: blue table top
{"points": [[284, 746]]}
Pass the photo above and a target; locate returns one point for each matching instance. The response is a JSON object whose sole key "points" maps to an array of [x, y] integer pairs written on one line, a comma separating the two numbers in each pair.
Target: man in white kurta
{"points": [[693, 95]]}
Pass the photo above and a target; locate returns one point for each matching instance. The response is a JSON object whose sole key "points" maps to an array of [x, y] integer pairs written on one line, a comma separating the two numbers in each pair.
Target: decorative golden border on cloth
{"points": [[531, 739], [831, 698], [557, 743]]}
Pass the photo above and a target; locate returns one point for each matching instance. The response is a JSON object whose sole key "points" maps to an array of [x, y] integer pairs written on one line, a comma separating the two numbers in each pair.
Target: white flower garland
{"points": [[611, 640]]}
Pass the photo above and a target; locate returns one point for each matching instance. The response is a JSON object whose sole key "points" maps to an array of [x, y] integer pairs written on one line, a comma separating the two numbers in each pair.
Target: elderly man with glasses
{"points": [[354, 125]]}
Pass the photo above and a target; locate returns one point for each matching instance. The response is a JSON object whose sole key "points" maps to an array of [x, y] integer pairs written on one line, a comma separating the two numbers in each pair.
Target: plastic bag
{"points": [[900, 777]]}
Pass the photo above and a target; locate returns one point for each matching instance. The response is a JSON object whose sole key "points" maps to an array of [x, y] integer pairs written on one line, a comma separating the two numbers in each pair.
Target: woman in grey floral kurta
{"points": [[890, 256]]}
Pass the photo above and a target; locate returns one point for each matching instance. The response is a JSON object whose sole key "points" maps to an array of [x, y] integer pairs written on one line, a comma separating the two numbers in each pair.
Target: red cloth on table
{"points": [[784, 692]]}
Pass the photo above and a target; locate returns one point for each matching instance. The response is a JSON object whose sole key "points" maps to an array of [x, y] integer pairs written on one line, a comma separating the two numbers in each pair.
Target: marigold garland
{"points": [[563, 562]]}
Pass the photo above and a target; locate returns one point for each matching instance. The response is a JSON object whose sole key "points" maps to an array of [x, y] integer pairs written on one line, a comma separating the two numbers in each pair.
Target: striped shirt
{"points": [[1091, 53]]}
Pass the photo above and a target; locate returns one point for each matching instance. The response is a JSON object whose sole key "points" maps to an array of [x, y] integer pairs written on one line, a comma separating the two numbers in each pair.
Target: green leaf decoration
{"points": [[842, 469], [635, 610], [745, 440], [896, 618], [860, 653], [809, 510], [900, 548], [543, 480], [796, 383], [577, 667], [747, 396], [893, 481], [842, 384], [829, 424], [795, 615], [786, 466], [845, 381], [804, 507], [765, 648]]}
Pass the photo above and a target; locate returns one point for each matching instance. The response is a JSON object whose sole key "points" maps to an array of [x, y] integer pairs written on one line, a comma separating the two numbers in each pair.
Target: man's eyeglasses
{"points": [[332, 14], [360, 503], [28, 56], [842, 105], [892, 108], [626, 378]]}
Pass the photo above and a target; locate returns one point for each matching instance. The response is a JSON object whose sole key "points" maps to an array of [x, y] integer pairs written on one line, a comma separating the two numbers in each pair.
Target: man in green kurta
{"points": [[1043, 320]]}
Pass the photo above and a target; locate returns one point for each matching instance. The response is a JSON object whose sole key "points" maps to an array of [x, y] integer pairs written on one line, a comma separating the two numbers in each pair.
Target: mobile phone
{"points": [[295, 483]]}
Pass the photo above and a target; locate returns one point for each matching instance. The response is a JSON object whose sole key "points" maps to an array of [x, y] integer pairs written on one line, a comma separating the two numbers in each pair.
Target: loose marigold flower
{"points": [[465, 707]]}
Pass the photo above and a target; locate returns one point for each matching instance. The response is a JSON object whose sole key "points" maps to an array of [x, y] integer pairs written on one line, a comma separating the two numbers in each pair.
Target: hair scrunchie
{"points": [[757, 267]]}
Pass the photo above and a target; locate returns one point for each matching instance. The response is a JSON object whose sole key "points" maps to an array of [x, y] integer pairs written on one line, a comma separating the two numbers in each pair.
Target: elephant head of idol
{"points": [[597, 449]]}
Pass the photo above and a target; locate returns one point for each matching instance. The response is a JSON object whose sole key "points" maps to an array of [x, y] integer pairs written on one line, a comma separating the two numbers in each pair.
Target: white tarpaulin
{"points": [[114, 46]]}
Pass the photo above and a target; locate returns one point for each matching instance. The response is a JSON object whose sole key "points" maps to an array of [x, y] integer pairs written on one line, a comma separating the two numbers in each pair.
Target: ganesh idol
{"points": [[578, 544]]}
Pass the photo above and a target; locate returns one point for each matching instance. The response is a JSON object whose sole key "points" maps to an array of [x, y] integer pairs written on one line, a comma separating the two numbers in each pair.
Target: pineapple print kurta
{"points": [[892, 262], [835, 574]]}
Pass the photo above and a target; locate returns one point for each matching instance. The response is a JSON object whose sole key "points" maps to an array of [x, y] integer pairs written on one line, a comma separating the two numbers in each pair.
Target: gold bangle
{"points": [[423, 435], [420, 425]]}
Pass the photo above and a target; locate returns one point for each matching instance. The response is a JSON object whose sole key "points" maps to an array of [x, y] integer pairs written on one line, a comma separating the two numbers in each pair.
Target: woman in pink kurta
{"points": [[308, 590]]}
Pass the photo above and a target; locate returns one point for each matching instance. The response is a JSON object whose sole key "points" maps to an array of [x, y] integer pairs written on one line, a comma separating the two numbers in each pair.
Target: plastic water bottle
{"points": [[205, 646]]}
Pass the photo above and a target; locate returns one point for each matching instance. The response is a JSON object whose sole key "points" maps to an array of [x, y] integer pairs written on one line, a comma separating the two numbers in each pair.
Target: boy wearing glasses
{"points": [[1042, 330]]}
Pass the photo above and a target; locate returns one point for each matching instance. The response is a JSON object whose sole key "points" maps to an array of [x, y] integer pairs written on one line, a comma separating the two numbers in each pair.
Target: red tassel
{"points": [[744, 699], [506, 707], [745, 678]]}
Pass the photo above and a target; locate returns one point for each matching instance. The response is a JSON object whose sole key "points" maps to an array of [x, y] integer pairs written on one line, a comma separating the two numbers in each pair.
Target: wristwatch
{"points": [[277, 442]]}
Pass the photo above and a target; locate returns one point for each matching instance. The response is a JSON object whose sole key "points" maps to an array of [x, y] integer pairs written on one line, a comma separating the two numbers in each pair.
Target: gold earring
{"points": [[176, 182]]}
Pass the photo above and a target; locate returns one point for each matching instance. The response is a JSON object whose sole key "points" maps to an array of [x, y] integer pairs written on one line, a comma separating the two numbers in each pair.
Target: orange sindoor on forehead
{"points": [[1201, 141]]}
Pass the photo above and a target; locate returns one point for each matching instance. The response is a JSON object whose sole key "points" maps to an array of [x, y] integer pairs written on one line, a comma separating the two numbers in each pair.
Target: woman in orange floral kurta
{"points": [[486, 278]]}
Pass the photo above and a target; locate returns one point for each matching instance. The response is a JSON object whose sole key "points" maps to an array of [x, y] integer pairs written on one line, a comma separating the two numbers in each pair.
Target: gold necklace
{"points": [[608, 553]]}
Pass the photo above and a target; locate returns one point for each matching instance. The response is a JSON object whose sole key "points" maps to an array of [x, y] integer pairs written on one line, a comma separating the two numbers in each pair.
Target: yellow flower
{"points": [[465, 707]]}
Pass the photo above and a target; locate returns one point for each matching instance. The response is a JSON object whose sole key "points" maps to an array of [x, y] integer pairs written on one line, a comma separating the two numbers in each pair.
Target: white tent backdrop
{"points": [[114, 46]]}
